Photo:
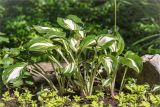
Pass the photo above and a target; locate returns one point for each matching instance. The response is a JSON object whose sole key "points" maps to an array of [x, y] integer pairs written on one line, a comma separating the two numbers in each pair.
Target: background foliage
{"points": [[136, 19]]}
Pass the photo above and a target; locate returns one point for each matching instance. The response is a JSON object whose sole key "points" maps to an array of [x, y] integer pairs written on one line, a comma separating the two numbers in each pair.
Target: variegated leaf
{"points": [[40, 44], [41, 29], [110, 63], [69, 69], [13, 72], [102, 40], [118, 45], [132, 61], [87, 41], [68, 24], [73, 44]]}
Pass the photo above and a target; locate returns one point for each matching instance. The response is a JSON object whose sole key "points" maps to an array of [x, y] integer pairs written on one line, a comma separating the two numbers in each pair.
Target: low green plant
{"points": [[49, 98], [25, 98], [6, 97], [138, 95]]}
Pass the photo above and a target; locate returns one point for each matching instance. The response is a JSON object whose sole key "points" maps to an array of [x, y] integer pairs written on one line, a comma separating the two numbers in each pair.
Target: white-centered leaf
{"points": [[118, 45], [82, 34], [87, 41], [41, 44], [13, 72], [132, 60], [70, 24], [113, 47], [134, 64], [106, 82], [69, 69], [104, 39], [75, 19], [110, 63], [73, 44], [42, 29], [156, 88]]}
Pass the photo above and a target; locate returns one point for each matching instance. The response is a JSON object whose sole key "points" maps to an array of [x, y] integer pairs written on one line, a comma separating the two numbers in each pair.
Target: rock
{"points": [[150, 73], [47, 68], [151, 69]]}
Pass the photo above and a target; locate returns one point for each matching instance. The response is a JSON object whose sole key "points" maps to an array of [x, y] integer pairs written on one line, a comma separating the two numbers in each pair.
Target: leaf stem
{"points": [[115, 16], [113, 84], [122, 82], [60, 52]]}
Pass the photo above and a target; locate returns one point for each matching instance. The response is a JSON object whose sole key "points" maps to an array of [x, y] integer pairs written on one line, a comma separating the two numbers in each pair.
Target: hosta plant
{"points": [[77, 58]]}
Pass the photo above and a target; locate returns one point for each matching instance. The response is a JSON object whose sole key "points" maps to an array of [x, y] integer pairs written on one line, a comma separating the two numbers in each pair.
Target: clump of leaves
{"points": [[139, 95], [84, 57], [48, 98], [25, 98], [6, 98]]}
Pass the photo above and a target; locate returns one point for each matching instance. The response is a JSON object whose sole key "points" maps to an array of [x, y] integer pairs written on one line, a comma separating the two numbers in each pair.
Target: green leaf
{"points": [[4, 39], [87, 41], [144, 39], [104, 38], [105, 41], [2, 33], [40, 44], [7, 61], [69, 70], [29, 82], [51, 35], [68, 24], [14, 51], [75, 19], [64, 42], [73, 44], [17, 83], [118, 46], [50, 32], [79, 35], [13, 72], [106, 82], [156, 88], [132, 61], [41, 29], [110, 63]]}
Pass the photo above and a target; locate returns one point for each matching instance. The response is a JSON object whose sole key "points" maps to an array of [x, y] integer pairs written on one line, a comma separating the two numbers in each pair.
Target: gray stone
{"points": [[150, 73], [151, 69], [47, 69]]}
